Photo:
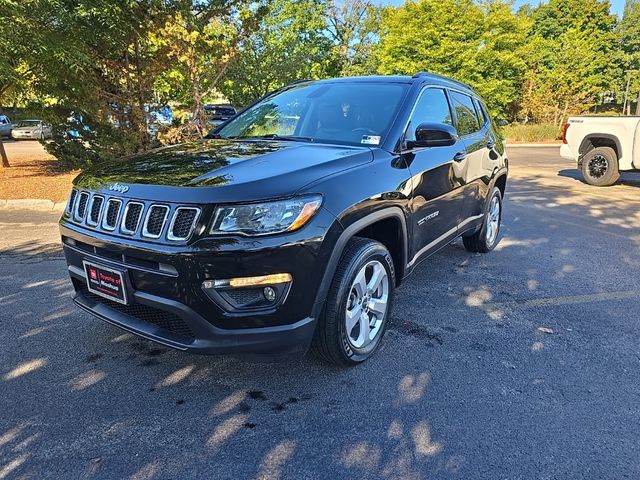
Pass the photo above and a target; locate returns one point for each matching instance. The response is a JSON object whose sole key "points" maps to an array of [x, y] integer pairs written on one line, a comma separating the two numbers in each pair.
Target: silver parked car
{"points": [[5, 126], [31, 130]]}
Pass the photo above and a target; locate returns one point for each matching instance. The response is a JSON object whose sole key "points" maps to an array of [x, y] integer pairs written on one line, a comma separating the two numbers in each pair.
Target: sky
{"points": [[617, 6]]}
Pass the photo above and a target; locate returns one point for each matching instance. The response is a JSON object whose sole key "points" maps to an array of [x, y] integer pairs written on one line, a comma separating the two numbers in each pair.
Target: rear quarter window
{"points": [[466, 115]]}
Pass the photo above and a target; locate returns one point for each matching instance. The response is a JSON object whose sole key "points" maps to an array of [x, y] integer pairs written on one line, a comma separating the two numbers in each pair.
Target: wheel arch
{"points": [[595, 140], [371, 226]]}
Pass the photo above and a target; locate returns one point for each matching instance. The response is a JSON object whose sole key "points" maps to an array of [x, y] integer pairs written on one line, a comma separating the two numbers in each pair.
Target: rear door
{"points": [[437, 195], [474, 129]]}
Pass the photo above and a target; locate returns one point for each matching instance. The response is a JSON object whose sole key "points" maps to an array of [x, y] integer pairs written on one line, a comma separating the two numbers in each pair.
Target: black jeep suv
{"points": [[292, 225]]}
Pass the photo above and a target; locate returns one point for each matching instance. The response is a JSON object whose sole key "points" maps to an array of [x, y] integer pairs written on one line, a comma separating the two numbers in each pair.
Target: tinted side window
{"points": [[468, 121], [433, 107], [482, 112]]}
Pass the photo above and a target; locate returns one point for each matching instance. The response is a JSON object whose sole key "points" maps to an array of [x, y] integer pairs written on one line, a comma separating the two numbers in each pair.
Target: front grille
{"points": [[111, 217], [140, 219], [183, 222], [154, 222], [95, 210], [131, 219], [81, 209], [166, 320]]}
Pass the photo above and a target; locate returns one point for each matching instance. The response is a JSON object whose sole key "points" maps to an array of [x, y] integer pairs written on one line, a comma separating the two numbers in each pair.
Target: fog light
{"points": [[269, 293], [249, 293]]}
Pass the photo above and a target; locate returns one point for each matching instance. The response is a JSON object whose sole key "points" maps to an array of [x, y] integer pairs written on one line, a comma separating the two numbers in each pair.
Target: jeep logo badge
{"points": [[117, 187]]}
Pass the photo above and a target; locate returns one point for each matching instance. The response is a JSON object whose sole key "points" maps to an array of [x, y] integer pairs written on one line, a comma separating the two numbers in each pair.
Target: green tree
{"points": [[481, 44], [200, 44], [289, 44], [629, 37], [354, 26], [574, 59]]}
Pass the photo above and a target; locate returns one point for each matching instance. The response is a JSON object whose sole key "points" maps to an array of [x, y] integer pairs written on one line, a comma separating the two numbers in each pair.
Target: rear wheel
{"points": [[358, 304], [486, 239], [600, 167]]}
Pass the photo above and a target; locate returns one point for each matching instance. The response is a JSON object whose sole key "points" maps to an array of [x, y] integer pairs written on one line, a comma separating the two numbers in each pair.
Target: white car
{"points": [[602, 147], [31, 130]]}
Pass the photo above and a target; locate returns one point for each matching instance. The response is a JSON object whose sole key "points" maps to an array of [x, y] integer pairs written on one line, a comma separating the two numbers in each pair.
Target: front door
{"points": [[437, 196]]}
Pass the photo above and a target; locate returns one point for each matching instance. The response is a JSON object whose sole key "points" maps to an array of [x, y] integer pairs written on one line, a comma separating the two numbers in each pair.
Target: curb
{"points": [[533, 145], [32, 204]]}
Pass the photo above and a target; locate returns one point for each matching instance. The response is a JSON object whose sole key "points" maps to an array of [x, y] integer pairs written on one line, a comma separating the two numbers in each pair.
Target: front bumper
{"points": [[168, 304], [174, 325], [18, 135]]}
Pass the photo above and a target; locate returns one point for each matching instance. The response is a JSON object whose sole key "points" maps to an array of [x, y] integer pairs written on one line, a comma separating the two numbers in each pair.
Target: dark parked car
{"points": [[294, 223], [217, 114]]}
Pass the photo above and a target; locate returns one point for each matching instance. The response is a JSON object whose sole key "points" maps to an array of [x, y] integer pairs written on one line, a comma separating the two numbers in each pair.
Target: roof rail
{"points": [[443, 77]]}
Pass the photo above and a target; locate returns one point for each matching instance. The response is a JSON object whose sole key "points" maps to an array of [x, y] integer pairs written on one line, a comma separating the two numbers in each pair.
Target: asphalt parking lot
{"points": [[520, 364]]}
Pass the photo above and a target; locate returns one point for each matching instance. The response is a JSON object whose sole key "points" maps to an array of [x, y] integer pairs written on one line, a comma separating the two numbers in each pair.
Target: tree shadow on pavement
{"points": [[487, 367]]}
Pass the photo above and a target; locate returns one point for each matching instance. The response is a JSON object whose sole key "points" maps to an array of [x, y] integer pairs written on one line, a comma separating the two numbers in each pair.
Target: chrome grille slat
{"points": [[111, 214], [182, 223], [72, 200], [95, 210], [81, 207], [155, 220], [131, 217]]}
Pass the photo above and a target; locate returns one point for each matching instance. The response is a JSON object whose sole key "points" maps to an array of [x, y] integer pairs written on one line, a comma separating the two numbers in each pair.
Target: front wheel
{"points": [[600, 167], [486, 239], [358, 304]]}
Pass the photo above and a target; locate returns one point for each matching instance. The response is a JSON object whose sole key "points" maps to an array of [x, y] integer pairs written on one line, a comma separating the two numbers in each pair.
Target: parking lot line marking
{"points": [[572, 299]]}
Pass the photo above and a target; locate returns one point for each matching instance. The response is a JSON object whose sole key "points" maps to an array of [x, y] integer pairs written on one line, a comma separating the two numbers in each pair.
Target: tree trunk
{"points": [[3, 154], [638, 104]]}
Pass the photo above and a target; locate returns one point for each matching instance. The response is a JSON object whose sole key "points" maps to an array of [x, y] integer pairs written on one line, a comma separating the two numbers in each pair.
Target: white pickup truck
{"points": [[602, 147]]}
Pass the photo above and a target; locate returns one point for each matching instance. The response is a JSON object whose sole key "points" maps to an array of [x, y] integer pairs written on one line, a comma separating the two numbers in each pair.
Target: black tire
{"points": [[331, 342], [480, 242], [600, 167]]}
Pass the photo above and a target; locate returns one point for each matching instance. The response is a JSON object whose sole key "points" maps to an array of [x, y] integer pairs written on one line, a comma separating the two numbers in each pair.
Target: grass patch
{"points": [[531, 133]]}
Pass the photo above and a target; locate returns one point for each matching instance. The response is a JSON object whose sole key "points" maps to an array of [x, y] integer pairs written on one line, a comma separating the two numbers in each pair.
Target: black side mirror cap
{"points": [[434, 135]]}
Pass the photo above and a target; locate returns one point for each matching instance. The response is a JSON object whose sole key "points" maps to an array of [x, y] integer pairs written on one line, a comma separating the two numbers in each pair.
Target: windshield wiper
{"points": [[284, 138]]}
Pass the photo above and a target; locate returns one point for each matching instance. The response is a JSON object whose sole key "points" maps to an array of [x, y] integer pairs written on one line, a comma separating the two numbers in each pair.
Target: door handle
{"points": [[460, 156]]}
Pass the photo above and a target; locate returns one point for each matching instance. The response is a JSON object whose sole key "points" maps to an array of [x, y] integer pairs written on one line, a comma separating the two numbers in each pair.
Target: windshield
{"points": [[348, 113], [28, 123]]}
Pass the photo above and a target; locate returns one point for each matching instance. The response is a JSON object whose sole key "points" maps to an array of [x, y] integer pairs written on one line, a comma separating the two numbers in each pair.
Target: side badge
{"points": [[428, 217]]}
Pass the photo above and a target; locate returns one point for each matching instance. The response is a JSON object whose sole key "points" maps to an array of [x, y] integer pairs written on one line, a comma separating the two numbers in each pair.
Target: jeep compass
{"points": [[293, 223]]}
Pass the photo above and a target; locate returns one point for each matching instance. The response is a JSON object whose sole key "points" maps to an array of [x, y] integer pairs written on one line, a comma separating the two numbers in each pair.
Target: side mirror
{"points": [[434, 135]]}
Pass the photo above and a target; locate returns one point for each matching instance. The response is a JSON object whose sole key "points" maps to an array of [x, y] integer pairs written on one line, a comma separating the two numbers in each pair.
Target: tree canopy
{"points": [[97, 67]]}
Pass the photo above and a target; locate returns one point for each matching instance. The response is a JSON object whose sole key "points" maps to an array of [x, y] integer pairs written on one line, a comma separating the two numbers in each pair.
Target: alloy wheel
{"points": [[598, 166], [493, 220], [367, 304]]}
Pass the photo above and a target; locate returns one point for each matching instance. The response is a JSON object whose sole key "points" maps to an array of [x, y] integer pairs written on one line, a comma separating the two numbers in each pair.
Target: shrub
{"points": [[531, 133]]}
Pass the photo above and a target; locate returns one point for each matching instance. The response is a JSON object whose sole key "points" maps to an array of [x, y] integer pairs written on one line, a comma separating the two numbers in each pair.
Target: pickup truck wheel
{"points": [[486, 239], [600, 167], [358, 304]]}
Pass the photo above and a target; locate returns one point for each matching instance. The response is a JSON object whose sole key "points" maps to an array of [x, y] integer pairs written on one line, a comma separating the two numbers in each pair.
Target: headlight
{"points": [[265, 218]]}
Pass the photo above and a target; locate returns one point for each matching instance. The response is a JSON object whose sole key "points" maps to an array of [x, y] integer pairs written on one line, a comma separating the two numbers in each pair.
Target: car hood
{"points": [[229, 170]]}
